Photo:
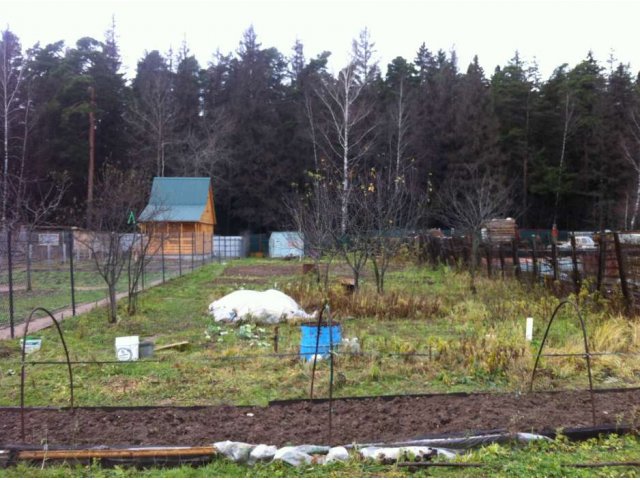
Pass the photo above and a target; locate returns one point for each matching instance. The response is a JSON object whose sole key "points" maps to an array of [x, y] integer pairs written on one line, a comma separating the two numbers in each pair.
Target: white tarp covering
{"points": [[271, 306]]}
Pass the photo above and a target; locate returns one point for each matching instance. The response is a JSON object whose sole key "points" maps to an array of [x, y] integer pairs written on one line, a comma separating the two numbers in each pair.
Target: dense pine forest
{"points": [[263, 124]]}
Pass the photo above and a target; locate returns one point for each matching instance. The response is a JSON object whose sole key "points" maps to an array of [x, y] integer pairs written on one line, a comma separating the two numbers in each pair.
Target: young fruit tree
{"points": [[314, 215], [393, 214], [35, 203], [112, 239], [468, 203]]}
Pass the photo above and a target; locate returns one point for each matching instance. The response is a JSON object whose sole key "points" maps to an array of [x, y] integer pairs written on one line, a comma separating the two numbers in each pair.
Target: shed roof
{"points": [[177, 199]]}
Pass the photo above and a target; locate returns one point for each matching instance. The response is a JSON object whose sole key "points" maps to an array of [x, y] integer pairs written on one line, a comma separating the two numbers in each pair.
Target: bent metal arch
{"points": [[23, 363], [586, 355]]}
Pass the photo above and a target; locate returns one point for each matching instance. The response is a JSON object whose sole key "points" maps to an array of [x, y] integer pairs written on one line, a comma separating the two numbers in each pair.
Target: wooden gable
{"points": [[209, 213]]}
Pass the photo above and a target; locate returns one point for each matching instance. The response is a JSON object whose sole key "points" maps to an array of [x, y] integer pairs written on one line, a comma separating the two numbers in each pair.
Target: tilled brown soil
{"points": [[302, 422]]}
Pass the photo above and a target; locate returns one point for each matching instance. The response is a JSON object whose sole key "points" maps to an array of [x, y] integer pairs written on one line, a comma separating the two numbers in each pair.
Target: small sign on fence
{"points": [[49, 239]]}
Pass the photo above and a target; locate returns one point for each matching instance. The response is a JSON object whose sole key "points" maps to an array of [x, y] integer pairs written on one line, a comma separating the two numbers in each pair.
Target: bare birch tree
{"points": [[631, 151], [12, 73], [567, 120], [348, 127]]}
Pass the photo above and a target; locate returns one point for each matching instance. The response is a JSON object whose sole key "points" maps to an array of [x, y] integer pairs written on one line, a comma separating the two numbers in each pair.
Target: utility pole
{"points": [[92, 149]]}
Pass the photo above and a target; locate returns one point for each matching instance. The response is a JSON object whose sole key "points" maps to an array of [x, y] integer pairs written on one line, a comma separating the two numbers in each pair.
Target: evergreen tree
{"points": [[256, 177], [152, 113], [476, 128], [621, 103], [514, 93]]}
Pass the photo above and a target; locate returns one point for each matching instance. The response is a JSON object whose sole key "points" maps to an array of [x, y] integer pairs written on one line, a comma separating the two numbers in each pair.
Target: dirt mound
{"points": [[354, 420]]}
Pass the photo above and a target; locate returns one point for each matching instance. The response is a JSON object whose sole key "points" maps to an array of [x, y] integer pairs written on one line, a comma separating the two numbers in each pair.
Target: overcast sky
{"points": [[554, 32]]}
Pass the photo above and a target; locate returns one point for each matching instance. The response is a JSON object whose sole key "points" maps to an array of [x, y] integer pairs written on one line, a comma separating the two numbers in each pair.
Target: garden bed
{"points": [[361, 420]]}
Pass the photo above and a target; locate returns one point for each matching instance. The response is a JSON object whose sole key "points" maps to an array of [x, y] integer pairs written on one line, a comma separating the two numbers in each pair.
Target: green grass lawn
{"points": [[468, 343], [51, 285]]}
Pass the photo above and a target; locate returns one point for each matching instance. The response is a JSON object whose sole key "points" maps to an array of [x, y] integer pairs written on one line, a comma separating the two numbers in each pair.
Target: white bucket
{"points": [[127, 348]]}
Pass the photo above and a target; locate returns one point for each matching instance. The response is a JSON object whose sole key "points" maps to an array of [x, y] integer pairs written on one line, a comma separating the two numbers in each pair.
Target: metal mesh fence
{"points": [[65, 269]]}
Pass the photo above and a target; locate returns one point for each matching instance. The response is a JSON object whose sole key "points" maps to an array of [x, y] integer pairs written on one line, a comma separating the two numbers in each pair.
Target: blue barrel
{"points": [[309, 335]]}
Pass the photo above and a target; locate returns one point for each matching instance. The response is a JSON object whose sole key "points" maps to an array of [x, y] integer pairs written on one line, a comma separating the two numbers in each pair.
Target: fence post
{"points": [[29, 258], [162, 254], [432, 249], [501, 254], [516, 261], [622, 270], [71, 273], [574, 259], [180, 251], [440, 249], [10, 265], [466, 253], [554, 260], [534, 260], [145, 256], [487, 251], [193, 248], [602, 256]]}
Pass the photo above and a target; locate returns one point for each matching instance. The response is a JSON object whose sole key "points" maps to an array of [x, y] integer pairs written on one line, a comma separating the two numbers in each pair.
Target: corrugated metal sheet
{"points": [[177, 199], [286, 244]]}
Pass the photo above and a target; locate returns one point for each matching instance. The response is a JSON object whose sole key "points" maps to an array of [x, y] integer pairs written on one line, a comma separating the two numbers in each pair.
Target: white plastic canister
{"points": [[127, 348]]}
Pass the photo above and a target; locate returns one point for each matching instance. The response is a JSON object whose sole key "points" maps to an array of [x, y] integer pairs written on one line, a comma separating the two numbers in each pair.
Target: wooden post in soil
{"points": [[487, 251], [516, 260], [574, 259], [534, 259], [622, 271], [554, 261], [602, 259]]}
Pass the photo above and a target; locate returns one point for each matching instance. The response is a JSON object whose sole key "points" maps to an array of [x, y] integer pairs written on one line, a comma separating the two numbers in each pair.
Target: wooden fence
{"points": [[611, 267]]}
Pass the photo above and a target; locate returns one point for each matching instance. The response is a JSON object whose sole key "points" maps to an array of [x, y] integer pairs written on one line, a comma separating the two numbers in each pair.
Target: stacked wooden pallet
{"points": [[501, 230]]}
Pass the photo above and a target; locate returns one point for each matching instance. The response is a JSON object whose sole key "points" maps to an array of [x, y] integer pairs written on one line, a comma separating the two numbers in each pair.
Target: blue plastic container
{"points": [[308, 337]]}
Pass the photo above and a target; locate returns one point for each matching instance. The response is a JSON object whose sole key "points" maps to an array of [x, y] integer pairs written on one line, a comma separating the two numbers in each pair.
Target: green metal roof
{"points": [[177, 199]]}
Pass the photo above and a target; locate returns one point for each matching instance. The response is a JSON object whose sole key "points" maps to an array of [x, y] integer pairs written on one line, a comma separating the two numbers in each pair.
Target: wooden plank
{"points": [[172, 345], [115, 453]]}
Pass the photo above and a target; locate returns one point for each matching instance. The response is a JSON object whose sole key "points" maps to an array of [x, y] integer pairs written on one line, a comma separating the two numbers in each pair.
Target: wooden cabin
{"points": [[180, 216]]}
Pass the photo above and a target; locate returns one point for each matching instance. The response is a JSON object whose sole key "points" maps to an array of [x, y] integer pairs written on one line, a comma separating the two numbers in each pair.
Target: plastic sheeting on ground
{"points": [[271, 306], [418, 450]]}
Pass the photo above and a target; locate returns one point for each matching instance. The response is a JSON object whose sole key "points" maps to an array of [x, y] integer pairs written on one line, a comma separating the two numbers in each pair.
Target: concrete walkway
{"points": [[40, 323]]}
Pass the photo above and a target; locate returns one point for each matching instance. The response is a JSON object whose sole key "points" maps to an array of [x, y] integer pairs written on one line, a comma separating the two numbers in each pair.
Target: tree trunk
{"points": [[29, 287], [113, 307], [5, 169], [345, 185], [474, 260], [378, 275], [636, 205]]}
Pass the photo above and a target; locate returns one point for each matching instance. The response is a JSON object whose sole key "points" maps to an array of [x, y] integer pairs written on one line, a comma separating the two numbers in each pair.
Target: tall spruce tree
{"points": [[256, 176], [514, 93]]}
